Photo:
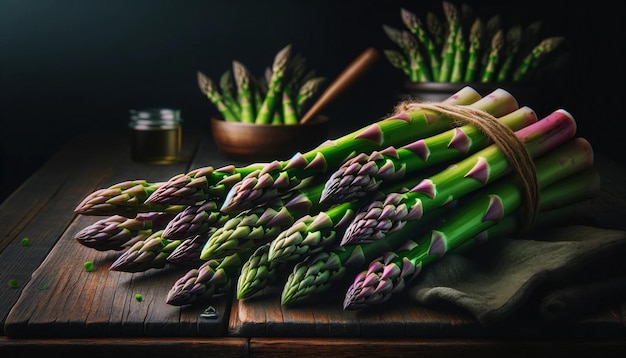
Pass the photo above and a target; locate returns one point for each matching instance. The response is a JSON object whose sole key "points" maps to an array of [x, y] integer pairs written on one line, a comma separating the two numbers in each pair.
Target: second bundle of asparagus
{"points": [[280, 96]]}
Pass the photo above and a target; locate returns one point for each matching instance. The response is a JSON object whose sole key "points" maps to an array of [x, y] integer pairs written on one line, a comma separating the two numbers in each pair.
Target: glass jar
{"points": [[156, 135]]}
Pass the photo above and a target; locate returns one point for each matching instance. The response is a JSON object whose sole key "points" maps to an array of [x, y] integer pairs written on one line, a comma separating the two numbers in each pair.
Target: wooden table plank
{"points": [[46, 202], [279, 347], [160, 347]]}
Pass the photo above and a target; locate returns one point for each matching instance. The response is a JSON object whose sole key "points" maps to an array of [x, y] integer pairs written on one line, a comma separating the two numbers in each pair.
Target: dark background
{"points": [[68, 67]]}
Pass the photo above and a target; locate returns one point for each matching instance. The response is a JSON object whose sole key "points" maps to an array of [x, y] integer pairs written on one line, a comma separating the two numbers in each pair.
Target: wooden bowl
{"points": [[267, 142]]}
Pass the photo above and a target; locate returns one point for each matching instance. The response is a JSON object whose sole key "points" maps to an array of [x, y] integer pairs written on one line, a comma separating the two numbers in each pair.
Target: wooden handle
{"points": [[345, 79]]}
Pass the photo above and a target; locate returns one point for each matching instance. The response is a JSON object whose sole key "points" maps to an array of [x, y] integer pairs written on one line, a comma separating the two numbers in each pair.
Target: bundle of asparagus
{"points": [[467, 48], [279, 97], [398, 193]]}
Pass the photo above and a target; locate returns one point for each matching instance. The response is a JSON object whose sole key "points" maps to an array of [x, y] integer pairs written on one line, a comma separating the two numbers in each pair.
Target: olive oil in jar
{"points": [[156, 135]]}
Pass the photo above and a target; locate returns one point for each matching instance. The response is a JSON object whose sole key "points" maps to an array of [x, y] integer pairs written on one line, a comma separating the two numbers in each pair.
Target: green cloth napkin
{"points": [[494, 280]]}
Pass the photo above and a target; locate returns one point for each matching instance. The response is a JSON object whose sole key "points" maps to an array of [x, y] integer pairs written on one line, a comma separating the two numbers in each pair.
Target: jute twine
{"points": [[504, 137]]}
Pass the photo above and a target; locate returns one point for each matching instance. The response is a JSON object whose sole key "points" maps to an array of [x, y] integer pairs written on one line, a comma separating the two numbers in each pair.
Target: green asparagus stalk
{"points": [[214, 277], [244, 82], [559, 204], [198, 219], [489, 72], [414, 24], [280, 65], [447, 59], [306, 92], [260, 85], [204, 183], [229, 93], [296, 71], [435, 27], [475, 171], [263, 223], [208, 88], [311, 233], [257, 273], [392, 271], [290, 112], [150, 253], [532, 60], [362, 174], [399, 129], [530, 36], [513, 39], [118, 232], [458, 68], [318, 273], [416, 60], [127, 198], [492, 26], [474, 50]]}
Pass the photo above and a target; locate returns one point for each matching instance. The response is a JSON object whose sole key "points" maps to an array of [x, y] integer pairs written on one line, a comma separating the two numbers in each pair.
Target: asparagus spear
{"points": [[374, 221], [539, 52], [260, 85], [150, 253], [363, 173], [416, 60], [311, 233], [257, 273], [117, 232], [475, 47], [497, 42], [127, 198], [318, 273], [204, 183], [197, 219], [399, 129], [290, 114], [435, 27], [244, 82], [451, 13], [306, 92], [213, 277], [392, 271], [513, 39], [208, 88], [530, 37], [263, 223], [229, 93], [279, 67], [414, 24], [492, 26], [189, 250], [458, 68]]}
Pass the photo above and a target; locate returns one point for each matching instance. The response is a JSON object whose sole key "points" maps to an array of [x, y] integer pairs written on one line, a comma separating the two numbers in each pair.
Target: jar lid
{"points": [[154, 118]]}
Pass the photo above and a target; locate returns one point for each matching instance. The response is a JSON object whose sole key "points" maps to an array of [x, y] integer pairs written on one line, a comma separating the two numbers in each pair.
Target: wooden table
{"points": [[60, 308]]}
